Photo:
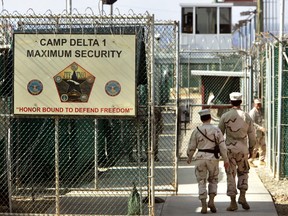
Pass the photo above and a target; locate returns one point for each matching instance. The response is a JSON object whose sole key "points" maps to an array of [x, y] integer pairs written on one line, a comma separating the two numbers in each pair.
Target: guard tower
{"points": [[209, 25]]}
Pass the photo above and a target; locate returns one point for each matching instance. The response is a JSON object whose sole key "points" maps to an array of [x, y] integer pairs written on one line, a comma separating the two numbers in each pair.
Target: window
{"points": [[225, 20], [206, 22], [187, 20]]}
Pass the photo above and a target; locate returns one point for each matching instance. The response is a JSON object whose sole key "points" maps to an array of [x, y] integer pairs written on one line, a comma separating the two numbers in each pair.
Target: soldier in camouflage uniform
{"points": [[204, 138], [256, 115], [240, 141]]}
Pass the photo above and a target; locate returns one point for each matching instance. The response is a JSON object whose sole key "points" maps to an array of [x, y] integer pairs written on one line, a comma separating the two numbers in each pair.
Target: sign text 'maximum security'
{"points": [[76, 53]]}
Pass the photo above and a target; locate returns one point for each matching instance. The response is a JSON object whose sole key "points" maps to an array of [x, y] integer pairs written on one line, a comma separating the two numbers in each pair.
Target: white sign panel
{"points": [[61, 74]]}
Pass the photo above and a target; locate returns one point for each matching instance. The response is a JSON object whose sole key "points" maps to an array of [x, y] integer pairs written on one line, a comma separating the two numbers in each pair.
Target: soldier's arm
{"points": [[251, 134], [222, 146], [192, 145], [221, 125]]}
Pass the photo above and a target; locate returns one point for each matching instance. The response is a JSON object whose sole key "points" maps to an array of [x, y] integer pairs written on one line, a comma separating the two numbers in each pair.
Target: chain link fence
{"points": [[274, 76], [87, 165]]}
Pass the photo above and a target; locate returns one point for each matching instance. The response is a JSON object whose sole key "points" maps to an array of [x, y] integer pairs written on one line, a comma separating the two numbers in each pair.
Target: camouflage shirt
{"points": [[238, 127], [198, 141], [256, 116]]}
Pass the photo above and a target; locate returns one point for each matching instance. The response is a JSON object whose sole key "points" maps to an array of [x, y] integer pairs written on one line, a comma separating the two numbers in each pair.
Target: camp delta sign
{"points": [[58, 74]]}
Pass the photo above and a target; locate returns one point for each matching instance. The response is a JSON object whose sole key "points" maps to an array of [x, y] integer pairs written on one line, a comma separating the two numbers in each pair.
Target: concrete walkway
{"points": [[186, 202]]}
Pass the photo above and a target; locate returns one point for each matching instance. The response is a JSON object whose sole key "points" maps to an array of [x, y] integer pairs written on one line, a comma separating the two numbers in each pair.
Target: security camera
{"points": [[157, 36]]}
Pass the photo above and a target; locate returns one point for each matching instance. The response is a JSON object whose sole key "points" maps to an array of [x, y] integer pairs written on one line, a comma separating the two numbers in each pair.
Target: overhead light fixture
{"points": [[109, 2]]}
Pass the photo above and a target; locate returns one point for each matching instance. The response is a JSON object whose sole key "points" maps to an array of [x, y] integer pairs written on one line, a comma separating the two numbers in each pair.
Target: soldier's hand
{"points": [[263, 129], [189, 160]]}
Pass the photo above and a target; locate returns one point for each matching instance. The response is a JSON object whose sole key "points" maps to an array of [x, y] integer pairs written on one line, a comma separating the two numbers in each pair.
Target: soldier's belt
{"points": [[207, 150], [215, 151]]}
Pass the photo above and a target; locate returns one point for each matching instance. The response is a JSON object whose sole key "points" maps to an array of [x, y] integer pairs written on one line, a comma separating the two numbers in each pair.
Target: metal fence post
{"points": [[57, 187]]}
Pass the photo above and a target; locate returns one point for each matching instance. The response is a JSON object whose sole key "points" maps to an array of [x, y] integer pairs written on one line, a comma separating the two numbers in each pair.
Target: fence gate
{"points": [[65, 147], [207, 78]]}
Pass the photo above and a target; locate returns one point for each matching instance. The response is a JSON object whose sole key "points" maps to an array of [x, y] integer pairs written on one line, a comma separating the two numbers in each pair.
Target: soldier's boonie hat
{"points": [[257, 101], [235, 96], [204, 112]]}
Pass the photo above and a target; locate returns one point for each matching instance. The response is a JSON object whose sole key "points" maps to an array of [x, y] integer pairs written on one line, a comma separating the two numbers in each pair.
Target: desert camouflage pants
{"points": [[239, 168], [260, 147], [202, 168]]}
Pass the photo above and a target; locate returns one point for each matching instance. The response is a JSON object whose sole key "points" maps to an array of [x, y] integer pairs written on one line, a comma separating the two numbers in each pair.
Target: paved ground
{"points": [[186, 202]]}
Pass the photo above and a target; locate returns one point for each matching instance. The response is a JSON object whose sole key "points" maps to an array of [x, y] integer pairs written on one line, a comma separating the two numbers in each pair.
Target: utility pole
{"points": [[259, 27], [69, 5], [259, 30], [280, 79]]}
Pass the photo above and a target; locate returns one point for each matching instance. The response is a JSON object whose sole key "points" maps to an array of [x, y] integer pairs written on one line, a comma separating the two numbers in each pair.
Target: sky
{"points": [[162, 9]]}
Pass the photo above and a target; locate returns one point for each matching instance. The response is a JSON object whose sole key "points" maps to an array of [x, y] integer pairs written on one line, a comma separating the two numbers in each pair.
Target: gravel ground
{"points": [[277, 188]]}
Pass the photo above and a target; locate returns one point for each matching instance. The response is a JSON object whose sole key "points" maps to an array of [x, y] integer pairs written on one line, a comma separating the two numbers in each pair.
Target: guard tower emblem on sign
{"points": [[74, 84]]}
